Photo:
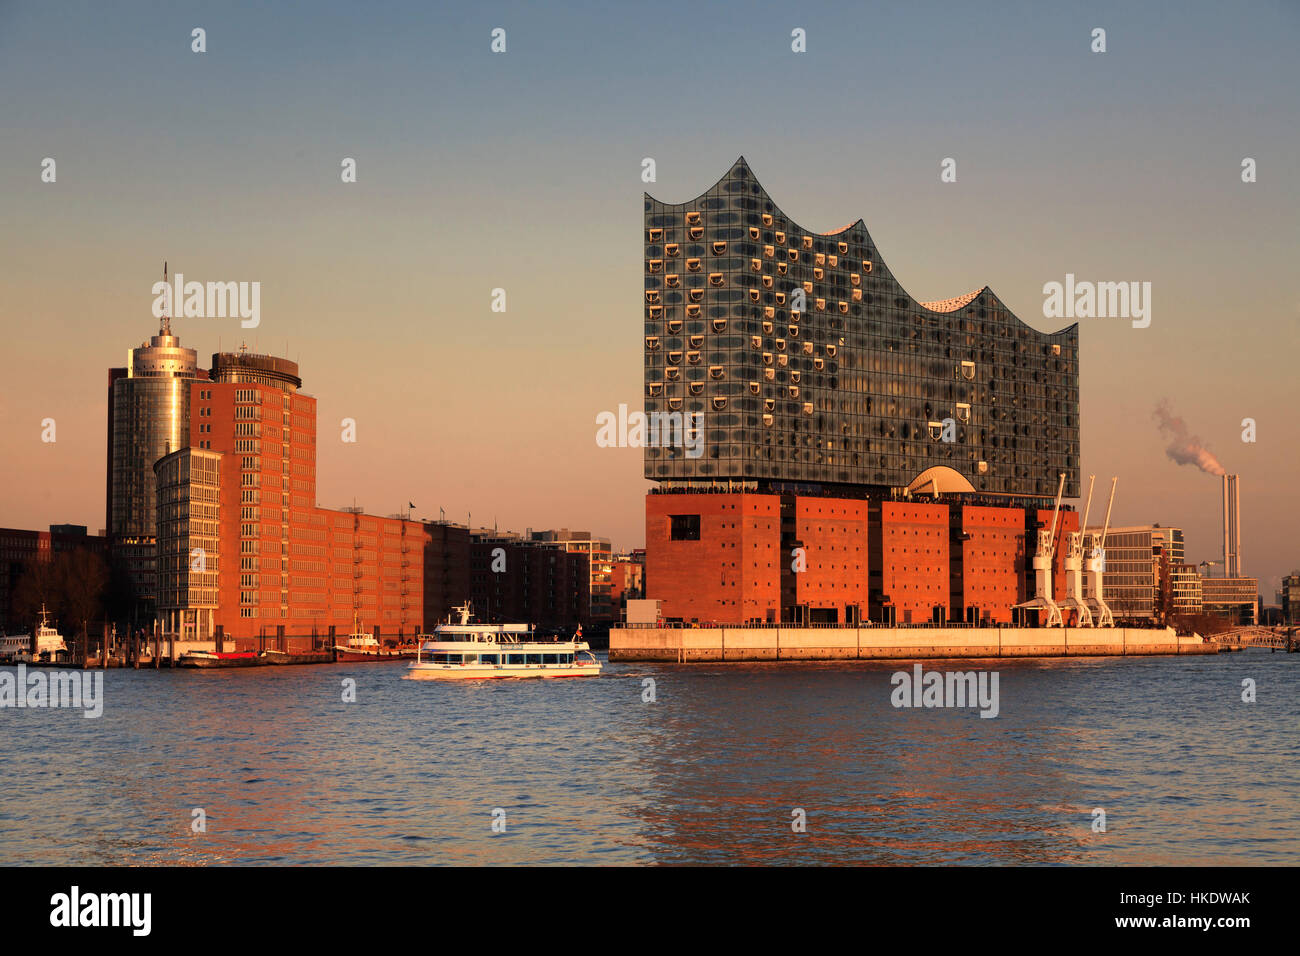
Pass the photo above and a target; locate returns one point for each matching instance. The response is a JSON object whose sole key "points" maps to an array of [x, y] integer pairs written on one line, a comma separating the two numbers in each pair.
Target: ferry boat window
{"points": [[550, 658], [514, 658], [488, 659], [534, 658]]}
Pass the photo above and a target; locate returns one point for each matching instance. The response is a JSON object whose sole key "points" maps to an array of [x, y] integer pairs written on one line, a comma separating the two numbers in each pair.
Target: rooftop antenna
{"points": [[166, 328]]}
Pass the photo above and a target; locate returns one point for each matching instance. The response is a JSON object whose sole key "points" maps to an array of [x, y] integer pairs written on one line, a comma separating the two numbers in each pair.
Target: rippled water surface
{"points": [[586, 772]]}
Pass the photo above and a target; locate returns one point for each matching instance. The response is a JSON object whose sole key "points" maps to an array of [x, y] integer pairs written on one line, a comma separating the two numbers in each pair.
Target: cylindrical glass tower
{"points": [[150, 418]]}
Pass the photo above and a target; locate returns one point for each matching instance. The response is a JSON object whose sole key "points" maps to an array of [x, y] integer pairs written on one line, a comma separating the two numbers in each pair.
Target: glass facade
{"points": [[189, 542], [809, 363], [1132, 570], [150, 417]]}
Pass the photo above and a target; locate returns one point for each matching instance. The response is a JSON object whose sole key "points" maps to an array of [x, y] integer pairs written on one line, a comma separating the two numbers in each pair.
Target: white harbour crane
{"points": [[1074, 566], [1101, 614], [1043, 566]]}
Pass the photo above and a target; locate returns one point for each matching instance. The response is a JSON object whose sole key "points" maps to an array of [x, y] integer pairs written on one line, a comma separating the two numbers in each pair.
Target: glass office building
{"points": [[812, 367], [149, 417]]}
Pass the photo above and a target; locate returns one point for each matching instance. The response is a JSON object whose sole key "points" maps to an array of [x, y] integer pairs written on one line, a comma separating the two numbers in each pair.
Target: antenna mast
{"points": [[166, 328]]}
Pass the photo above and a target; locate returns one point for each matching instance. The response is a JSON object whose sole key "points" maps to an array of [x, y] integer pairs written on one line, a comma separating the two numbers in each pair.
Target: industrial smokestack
{"points": [[1231, 528], [1185, 448]]}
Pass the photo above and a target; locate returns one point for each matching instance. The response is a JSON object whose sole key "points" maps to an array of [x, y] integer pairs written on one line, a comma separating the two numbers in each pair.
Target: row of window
{"points": [[498, 660]]}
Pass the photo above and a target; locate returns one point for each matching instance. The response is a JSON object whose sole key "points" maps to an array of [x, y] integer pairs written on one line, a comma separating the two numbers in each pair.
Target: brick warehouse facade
{"points": [[865, 456], [723, 558]]}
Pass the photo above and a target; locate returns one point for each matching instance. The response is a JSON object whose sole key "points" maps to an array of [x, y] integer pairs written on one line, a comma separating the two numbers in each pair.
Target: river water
{"points": [[714, 769]]}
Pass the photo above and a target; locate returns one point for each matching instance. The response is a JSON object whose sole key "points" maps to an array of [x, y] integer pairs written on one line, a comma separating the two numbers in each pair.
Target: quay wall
{"points": [[700, 644]]}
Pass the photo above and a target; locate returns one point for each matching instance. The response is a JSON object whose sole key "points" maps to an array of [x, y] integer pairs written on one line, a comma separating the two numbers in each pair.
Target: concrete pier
{"points": [[700, 644]]}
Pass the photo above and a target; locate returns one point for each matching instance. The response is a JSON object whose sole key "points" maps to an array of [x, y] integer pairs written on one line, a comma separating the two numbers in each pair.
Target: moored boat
{"points": [[15, 648], [220, 659], [49, 643], [468, 651], [361, 647], [297, 657]]}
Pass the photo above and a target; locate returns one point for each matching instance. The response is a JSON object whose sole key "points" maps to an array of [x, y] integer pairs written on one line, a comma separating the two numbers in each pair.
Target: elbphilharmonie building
{"points": [[812, 365]]}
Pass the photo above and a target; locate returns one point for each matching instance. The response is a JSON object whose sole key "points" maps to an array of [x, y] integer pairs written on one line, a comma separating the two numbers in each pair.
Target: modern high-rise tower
{"points": [[148, 417]]}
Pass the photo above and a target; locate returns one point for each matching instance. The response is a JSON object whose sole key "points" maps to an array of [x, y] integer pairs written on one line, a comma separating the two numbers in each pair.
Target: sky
{"points": [[522, 171]]}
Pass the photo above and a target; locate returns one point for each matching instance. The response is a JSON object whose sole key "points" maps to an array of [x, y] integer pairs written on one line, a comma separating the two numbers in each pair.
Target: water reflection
{"points": [[585, 772]]}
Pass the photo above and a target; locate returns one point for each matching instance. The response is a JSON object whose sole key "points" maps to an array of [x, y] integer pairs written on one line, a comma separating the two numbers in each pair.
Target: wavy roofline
{"points": [[983, 294]]}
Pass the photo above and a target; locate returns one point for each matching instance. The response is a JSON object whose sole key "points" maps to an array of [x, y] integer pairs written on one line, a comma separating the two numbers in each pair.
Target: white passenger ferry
{"points": [[468, 651]]}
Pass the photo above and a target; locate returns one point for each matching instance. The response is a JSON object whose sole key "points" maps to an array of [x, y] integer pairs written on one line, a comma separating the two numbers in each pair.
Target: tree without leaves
{"points": [[71, 586]]}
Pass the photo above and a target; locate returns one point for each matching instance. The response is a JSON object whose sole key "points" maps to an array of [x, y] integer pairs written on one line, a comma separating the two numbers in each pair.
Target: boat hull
{"points": [[427, 671], [364, 657], [306, 657], [189, 660]]}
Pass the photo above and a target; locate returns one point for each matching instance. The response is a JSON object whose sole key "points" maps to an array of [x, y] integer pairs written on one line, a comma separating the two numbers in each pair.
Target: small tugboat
{"points": [[220, 659], [49, 643], [361, 647], [468, 651]]}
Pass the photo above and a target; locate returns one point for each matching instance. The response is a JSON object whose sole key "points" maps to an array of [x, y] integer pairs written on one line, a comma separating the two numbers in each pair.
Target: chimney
{"points": [[1231, 528]]}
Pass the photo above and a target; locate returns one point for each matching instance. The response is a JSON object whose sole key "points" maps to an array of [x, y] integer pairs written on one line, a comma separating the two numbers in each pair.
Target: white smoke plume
{"points": [[1184, 448]]}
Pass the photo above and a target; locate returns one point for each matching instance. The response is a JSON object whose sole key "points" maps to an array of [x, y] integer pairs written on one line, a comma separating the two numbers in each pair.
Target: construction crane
{"points": [[1101, 614]]}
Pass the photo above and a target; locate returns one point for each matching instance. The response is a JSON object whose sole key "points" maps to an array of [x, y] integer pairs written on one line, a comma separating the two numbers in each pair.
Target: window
{"points": [[684, 527]]}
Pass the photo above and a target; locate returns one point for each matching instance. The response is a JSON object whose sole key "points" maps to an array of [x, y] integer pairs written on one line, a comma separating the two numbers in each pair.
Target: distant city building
{"points": [[1236, 599], [148, 417], [1133, 579], [627, 580], [1187, 589], [600, 554], [1291, 598], [520, 579]]}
